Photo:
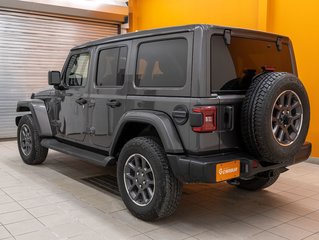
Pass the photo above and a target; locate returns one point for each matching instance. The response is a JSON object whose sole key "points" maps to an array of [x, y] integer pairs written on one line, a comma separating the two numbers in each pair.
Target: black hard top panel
{"points": [[169, 30]]}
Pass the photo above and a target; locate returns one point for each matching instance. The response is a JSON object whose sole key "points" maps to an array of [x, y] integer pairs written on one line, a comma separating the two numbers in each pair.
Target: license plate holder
{"points": [[227, 170]]}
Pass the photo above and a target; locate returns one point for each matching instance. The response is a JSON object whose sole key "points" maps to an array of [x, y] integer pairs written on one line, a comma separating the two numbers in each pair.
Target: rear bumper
{"points": [[203, 169]]}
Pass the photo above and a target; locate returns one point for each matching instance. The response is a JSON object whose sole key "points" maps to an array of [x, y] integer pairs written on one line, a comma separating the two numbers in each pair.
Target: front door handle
{"points": [[81, 101], [113, 103]]}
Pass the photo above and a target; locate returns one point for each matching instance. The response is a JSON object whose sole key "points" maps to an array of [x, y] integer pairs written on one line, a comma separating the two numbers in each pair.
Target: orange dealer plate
{"points": [[227, 170]]}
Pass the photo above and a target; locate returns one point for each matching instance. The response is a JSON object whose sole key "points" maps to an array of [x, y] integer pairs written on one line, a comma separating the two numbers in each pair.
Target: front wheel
{"points": [[146, 183], [31, 151], [258, 182]]}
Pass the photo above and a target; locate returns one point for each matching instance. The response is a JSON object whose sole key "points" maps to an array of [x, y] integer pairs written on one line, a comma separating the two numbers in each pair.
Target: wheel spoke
{"points": [[127, 175], [281, 135], [273, 119], [144, 197], [277, 107], [150, 192], [297, 116], [136, 195], [132, 166], [289, 98], [136, 161], [293, 128], [130, 188], [287, 134], [295, 105], [282, 100], [143, 163], [275, 130]]}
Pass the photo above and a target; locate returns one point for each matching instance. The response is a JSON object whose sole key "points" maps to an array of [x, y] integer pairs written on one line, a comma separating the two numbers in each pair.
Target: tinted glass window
{"points": [[233, 66], [77, 71], [162, 64], [111, 67]]}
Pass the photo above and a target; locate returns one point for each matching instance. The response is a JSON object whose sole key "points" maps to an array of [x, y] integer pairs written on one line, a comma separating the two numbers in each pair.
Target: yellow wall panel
{"points": [[300, 21], [148, 14]]}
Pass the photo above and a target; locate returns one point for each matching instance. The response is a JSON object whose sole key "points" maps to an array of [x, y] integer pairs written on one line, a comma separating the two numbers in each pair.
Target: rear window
{"points": [[162, 63], [233, 66]]}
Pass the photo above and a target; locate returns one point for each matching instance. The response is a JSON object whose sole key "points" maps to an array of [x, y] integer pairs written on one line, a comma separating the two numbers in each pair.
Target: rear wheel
{"points": [[258, 182], [30, 149], [146, 183]]}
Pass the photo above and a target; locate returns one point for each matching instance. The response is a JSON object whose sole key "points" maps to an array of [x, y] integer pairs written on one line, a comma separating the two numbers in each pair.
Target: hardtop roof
{"points": [[167, 30]]}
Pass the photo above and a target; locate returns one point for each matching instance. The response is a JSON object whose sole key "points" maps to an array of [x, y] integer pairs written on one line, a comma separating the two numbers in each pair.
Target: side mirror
{"points": [[54, 78]]}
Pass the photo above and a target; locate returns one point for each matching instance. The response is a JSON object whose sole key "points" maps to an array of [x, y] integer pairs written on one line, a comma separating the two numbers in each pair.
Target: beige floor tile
{"points": [[10, 207], [68, 230], [306, 224], [4, 234], [126, 217], [298, 208], [166, 233], [267, 236], [262, 221], [290, 232], [5, 199], [280, 214], [24, 227], [312, 237], [190, 226], [313, 216], [117, 231], [236, 229], [44, 234], [13, 217], [210, 235], [141, 237], [88, 236], [45, 210], [56, 219]]}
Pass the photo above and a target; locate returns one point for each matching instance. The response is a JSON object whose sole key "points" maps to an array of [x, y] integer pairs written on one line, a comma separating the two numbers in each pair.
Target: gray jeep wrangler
{"points": [[196, 103]]}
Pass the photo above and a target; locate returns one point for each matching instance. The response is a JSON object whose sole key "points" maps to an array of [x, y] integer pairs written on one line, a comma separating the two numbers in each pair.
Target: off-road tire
{"points": [[38, 153], [256, 117], [259, 182], [168, 189]]}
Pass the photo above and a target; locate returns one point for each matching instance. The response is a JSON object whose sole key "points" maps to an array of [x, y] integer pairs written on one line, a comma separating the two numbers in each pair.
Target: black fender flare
{"points": [[159, 120], [39, 113]]}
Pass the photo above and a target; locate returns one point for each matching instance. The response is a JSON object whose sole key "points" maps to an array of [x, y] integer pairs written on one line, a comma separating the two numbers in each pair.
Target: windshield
{"points": [[233, 66]]}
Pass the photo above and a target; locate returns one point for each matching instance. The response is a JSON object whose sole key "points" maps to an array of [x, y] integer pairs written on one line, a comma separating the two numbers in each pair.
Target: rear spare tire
{"points": [[275, 117]]}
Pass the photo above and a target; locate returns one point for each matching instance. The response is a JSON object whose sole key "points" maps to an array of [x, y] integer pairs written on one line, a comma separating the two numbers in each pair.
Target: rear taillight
{"points": [[208, 119]]}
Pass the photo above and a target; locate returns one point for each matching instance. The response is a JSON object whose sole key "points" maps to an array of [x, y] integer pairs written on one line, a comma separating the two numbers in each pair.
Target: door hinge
{"points": [[91, 103], [90, 131]]}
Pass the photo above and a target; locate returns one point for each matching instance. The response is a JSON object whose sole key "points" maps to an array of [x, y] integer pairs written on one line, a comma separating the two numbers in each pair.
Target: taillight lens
{"points": [[208, 119]]}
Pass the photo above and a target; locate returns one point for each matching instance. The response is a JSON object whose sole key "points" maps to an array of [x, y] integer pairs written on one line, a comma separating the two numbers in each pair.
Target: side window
{"points": [[111, 67], [77, 71], [162, 63]]}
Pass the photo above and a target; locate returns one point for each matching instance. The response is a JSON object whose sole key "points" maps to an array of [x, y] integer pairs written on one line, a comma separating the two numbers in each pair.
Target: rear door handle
{"points": [[81, 101], [113, 103]]}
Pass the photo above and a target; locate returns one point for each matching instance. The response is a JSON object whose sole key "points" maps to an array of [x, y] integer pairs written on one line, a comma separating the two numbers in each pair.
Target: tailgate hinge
{"points": [[227, 36], [279, 43]]}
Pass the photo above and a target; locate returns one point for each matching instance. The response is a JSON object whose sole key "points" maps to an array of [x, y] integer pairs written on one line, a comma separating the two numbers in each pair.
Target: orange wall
{"points": [[299, 21], [147, 14]]}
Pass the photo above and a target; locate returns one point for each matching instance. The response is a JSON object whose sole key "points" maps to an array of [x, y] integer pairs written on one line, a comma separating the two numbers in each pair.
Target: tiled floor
{"points": [[52, 202]]}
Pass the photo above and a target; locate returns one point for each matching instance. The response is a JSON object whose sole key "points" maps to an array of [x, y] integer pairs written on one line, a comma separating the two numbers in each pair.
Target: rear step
{"points": [[89, 156]]}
